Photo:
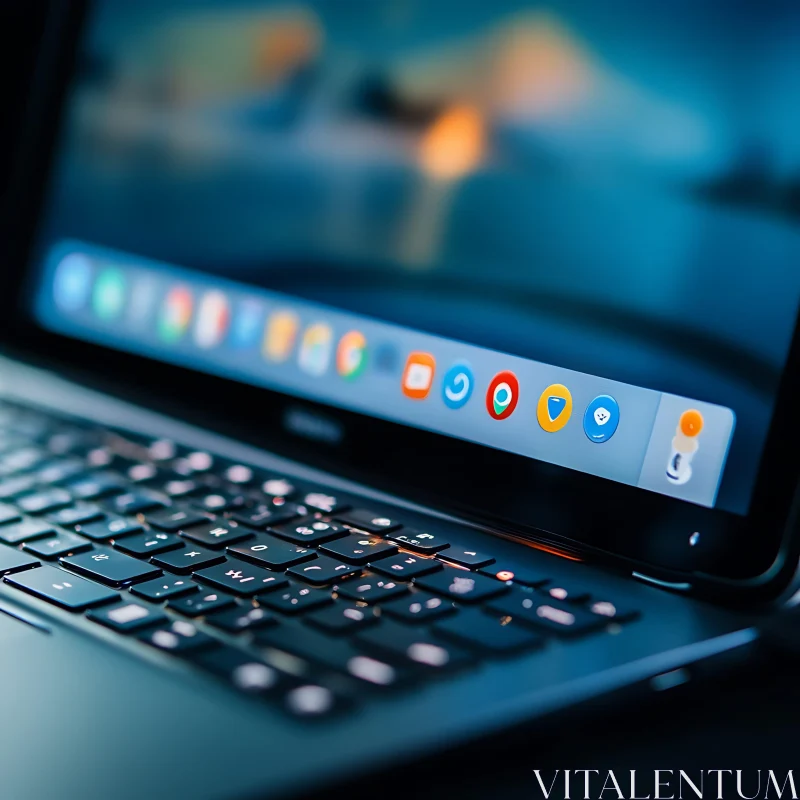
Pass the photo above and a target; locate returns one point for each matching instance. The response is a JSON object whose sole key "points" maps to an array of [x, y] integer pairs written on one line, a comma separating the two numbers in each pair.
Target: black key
{"points": [[342, 619], [217, 535], [323, 571], [240, 474], [309, 531], [479, 631], [127, 616], [43, 502], [267, 551], [96, 485], [195, 462], [241, 670], [411, 646], [241, 579], [263, 515], [359, 549], [8, 514], [426, 544], [238, 620], [62, 588], [61, 471], [278, 487], [217, 502], [463, 586], [419, 608], [57, 546], [149, 543], [135, 502], [164, 588], [141, 473], [547, 614], [559, 590], [12, 560], [79, 514], [202, 602], [26, 531], [109, 528], [335, 654], [23, 459], [466, 557], [185, 561], [311, 701], [368, 521], [372, 589], [110, 567], [521, 575], [320, 501], [405, 567], [17, 486], [297, 599], [179, 637], [613, 612], [174, 520], [179, 487]]}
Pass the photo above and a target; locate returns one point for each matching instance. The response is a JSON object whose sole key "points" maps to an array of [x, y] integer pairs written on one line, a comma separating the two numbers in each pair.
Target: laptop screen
{"points": [[565, 230]]}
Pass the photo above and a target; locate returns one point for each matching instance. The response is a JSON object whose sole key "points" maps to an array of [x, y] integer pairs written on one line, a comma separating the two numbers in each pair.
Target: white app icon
{"points": [[419, 377], [602, 415], [457, 395]]}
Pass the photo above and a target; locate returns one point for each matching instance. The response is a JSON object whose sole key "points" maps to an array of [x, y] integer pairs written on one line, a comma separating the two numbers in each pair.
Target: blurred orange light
{"points": [[454, 145]]}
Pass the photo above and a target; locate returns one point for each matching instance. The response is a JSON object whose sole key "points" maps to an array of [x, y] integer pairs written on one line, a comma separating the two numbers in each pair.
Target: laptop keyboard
{"points": [[288, 592]]}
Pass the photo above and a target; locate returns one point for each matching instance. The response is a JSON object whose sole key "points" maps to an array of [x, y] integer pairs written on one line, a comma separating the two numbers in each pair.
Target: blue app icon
{"points": [[248, 322], [601, 419], [457, 385], [72, 282]]}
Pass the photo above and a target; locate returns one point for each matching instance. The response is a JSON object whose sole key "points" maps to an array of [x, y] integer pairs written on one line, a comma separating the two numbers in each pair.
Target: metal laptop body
{"points": [[106, 715]]}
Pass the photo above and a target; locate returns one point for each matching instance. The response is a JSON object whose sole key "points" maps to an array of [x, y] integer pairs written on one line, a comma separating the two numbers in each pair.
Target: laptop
{"points": [[381, 376]]}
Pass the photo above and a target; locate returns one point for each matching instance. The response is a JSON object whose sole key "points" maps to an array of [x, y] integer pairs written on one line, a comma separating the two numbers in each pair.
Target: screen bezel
{"points": [[533, 500]]}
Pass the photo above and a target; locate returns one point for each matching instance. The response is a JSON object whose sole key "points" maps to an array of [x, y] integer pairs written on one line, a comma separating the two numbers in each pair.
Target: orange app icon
{"points": [[418, 375], [280, 335]]}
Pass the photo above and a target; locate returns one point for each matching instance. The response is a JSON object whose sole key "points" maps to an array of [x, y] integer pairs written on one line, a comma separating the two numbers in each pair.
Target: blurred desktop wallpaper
{"points": [[612, 187]]}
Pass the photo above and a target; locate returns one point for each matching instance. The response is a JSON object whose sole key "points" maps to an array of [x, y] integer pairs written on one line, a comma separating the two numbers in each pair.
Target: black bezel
{"points": [[631, 527]]}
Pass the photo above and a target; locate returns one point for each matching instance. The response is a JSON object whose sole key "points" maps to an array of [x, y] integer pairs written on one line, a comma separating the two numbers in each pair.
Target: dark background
{"points": [[742, 715]]}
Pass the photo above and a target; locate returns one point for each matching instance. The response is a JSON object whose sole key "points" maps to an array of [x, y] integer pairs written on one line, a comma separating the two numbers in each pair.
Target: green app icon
{"points": [[109, 293]]}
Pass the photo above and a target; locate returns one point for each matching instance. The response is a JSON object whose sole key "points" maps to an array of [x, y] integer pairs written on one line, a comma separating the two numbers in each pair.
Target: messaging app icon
{"points": [[554, 408], [601, 419], [457, 385]]}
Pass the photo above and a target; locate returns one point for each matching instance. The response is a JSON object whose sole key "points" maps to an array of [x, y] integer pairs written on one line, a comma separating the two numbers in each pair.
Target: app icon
{"points": [[351, 355], [684, 446], [418, 375], [246, 323], [457, 385], [143, 299], [315, 350], [72, 282], [387, 358], [280, 335], [554, 408], [109, 293], [175, 314], [601, 418], [213, 316], [502, 395]]}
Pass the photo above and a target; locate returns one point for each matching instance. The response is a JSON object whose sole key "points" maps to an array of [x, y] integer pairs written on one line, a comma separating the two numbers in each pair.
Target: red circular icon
{"points": [[502, 395]]}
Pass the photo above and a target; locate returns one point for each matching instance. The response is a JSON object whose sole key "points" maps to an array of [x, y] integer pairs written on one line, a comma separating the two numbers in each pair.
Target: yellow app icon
{"points": [[554, 408], [280, 335]]}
